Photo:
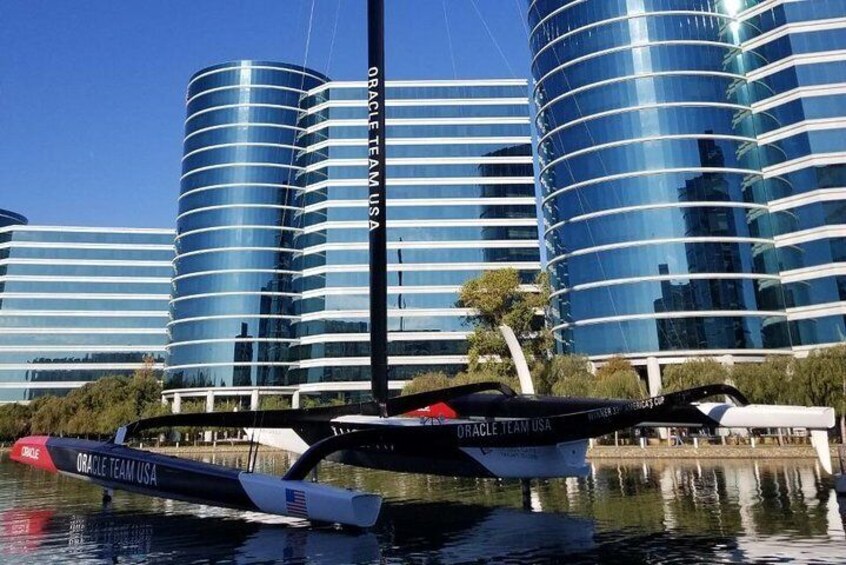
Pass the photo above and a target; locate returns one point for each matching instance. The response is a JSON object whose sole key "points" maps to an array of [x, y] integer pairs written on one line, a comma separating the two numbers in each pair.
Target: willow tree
{"points": [[498, 298]]}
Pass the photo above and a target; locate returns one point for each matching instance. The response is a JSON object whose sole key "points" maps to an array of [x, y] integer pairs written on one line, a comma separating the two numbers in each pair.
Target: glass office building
{"points": [[796, 55], [232, 304], [8, 218], [271, 275], [460, 201], [79, 303], [657, 227]]}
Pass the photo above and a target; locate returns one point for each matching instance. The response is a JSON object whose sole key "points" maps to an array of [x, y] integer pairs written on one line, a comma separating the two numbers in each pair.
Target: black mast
{"points": [[376, 202]]}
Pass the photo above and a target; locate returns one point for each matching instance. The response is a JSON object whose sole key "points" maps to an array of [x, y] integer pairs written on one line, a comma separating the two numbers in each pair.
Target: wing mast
{"points": [[376, 172]]}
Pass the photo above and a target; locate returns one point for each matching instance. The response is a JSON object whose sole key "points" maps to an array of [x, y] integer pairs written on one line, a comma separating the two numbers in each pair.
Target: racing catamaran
{"points": [[477, 430]]}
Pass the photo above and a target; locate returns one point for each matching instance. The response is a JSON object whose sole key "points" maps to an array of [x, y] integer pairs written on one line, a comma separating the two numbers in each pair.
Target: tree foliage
{"points": [[770, 382], [567, 375], [694, 373], [498, 298], [618, 379]]}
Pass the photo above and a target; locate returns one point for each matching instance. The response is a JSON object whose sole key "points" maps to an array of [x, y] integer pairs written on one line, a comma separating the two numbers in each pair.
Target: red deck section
{"points": [[438, 410], [33, 451]]}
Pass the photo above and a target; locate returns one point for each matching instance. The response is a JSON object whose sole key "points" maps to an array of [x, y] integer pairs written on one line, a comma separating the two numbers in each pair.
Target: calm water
{"points": [[673, 512]]}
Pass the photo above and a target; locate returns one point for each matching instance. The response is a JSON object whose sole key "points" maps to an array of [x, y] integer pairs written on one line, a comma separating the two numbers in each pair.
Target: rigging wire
{"points": [[449, 41], [493, 39], [332, 41]]}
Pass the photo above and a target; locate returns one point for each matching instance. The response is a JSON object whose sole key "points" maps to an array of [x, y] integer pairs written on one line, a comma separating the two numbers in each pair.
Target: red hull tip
{"points": [[33, 451]]}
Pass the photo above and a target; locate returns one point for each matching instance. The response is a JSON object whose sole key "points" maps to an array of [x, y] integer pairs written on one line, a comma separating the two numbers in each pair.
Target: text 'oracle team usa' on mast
{"points": [[374, 175]]}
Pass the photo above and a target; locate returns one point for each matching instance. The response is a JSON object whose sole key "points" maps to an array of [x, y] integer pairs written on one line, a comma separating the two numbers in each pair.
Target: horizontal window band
{"points": [[641, 15], [359, 122], [804, 126], [249, 86], [465, 84], [420, 141], [269, 165], [259, 67], [235, 249], [799, 93], [419, 161], [829, 231], [792, 28], [796, 60], [233, 364], [392, 337], [628, 109], [816, 311], [421, 202], [238, 185], [419, 102], [86, 313], [186, 297], [661, 241], [242, 125], [663, 278], [833, 269], [431, 181], [393, 361], [174, 344], [293, 109], [638, 140], [658, 206], [675, 315], [240, 144], [807, 198], [233, 272], [231, 317], [238, 207], [237, 227], [469, 223], [422, 267], [646, 173]]}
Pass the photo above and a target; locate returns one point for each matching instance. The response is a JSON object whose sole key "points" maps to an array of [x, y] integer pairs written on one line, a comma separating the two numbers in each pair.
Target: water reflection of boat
{"points": [[118, 535]]}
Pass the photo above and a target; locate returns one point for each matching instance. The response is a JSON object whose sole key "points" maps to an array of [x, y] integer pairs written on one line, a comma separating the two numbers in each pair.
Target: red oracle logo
{"points": [[29, 452]]}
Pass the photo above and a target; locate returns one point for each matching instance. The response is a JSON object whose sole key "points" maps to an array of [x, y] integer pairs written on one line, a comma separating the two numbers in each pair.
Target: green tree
{"points": [[274, 402], [770, 382], [566, 375], [498, 298], [618, 379], [48, 416], [14, 421], [821, 376], [694, 373], [425, 382]]}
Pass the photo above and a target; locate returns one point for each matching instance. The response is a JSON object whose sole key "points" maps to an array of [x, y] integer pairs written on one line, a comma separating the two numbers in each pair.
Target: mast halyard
{"points": [[376, 173]]}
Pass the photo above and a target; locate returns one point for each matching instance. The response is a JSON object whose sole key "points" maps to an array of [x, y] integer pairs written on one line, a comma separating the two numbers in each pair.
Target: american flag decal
{"points": [[295, 503]]}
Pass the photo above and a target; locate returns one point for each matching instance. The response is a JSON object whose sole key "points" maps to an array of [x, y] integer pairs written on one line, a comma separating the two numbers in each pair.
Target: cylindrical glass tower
{"points": [[231, 311], [657, 230], [8, 218]]}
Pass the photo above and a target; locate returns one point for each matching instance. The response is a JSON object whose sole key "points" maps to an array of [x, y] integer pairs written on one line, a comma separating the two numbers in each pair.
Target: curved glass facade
{"points": [[77, 304], [8, 218], [797, 70], [657, 229], [232, 310]]}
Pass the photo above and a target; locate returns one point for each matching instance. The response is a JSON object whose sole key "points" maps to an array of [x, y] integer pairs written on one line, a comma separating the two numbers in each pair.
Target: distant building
{"points": [[271, 275], [79, 303]]}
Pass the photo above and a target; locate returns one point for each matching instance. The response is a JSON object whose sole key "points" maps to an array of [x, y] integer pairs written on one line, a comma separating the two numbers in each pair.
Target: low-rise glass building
{"points": [[80, 303]]}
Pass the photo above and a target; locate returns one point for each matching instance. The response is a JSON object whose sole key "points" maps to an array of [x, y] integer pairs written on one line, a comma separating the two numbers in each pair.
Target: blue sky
{"points": [[92, 91]]}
